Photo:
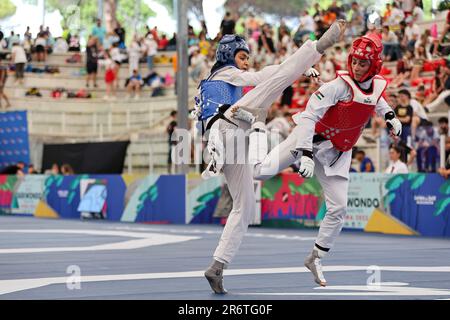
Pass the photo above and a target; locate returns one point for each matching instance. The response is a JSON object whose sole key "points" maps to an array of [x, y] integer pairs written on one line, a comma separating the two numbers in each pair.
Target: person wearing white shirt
{"points": [[152, 49], [396, 165], [61, 46], [19, 58], [408, 6], [396, 16], [412, 31], [307, 22], [307, 25], [134, 54], [417, 14]]}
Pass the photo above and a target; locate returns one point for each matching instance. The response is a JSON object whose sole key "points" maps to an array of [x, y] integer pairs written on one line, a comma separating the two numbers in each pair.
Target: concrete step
{"points": [[60, 58], [74, 69]]}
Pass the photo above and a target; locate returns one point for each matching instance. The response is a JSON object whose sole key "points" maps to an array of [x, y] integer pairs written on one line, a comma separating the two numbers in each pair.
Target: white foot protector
{"points": [[241, 114], [258, 147]]}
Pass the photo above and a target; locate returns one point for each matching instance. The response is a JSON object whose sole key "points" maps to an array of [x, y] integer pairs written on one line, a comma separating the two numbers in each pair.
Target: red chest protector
{"points": [[344, 122]]}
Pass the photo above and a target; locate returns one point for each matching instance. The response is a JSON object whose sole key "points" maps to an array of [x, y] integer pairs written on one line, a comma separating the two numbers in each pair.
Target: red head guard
{"points": [[368, 47]]}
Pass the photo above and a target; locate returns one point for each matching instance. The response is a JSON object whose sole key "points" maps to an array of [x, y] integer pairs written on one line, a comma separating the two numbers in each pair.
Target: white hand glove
{"points": [[395, 126], [306, 167], [312, 73]]}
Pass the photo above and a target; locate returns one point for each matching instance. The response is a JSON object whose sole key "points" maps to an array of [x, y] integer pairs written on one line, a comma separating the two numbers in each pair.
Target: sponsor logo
{"points": [[425, 200]]}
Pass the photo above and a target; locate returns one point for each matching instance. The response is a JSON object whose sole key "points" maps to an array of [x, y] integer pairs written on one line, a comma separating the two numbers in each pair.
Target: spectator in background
{"points": [[50, 41], [357, 20], [437, 86], [19, 58], [31, 169], [326, 69], [204, 44], [99, 31], [134, 55], [408, 7], [111, 38], [417, 13], [172, 45], [134, 85], [3, 77], [54, 170], [227, 25], [412, 33], [27, 34], [40, 46], [445, 172], [405, 114], [307, 25], [112, 69], [391, 46], [397, 15], [443, 126], [366, 164], [443, 130], [13, 38], [395, 164], [67, 170], [60, 46], [442, 96], [120, 32], [280, 126], [92, 53], [198, 64], [151, 49], [340, 58], [18, 169], [74, 43], [404, 68], [266, 42], [170, 130], [192, 37], [163, 43], [427, 144]]}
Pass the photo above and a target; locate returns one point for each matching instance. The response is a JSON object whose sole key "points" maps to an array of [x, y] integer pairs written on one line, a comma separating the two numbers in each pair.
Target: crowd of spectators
{"points": [[415, 65], [107, 50]]}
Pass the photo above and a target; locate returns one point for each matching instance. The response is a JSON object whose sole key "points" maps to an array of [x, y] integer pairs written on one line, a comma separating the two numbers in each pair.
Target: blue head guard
{"points": [[229, 45]]}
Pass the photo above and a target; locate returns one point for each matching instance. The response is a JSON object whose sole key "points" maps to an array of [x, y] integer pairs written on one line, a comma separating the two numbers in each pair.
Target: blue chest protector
{"points": [[213, 94]]}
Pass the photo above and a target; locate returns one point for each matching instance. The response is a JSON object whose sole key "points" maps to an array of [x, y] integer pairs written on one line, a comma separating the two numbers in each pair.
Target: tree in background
{"points": [[80, 15], [7, 9]]}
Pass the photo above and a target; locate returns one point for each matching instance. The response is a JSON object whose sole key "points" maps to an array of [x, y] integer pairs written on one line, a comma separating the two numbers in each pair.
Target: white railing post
{"points": [[63, 122], [101, 132], [150, 117], [94, 123], [30, 120], [379, 154], [150, 159], [442, 151], [128, 119], [109, 121], [130, 162]]}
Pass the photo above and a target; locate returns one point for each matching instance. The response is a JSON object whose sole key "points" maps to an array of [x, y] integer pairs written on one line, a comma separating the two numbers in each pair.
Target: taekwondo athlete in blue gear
{"points": [[230, 123]]}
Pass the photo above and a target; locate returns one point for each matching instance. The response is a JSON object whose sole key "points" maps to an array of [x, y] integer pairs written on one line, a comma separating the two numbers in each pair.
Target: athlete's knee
{"points": [[337, 213]]}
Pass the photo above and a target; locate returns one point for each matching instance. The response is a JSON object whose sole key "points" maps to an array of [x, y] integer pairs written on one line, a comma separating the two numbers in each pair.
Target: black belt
{"points": [[319, 138], [219, 115]]}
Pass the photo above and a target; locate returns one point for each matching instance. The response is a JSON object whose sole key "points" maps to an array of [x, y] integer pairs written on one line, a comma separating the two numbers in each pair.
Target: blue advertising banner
{"points": [[422, 201], [14, 146]]}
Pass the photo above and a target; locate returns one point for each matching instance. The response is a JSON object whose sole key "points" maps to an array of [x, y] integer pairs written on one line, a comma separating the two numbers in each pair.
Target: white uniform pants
{"points": [[334, 187]]}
